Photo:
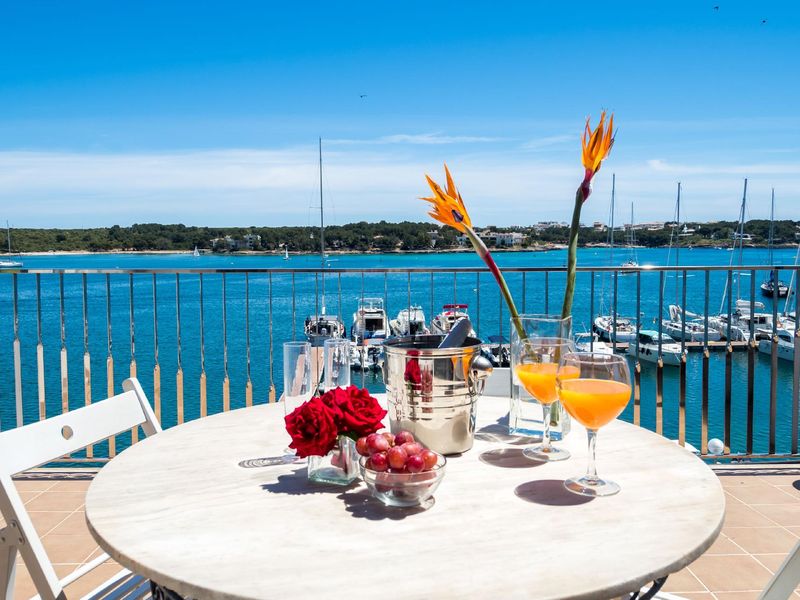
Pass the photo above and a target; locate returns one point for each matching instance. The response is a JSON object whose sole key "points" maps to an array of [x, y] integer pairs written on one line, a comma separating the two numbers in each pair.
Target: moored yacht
{"points": [[370, 324], [409, 321], [687, 326], [785, 344], [318, 328], [591, 342], [648, 341], [617, 330], [450, 315]]}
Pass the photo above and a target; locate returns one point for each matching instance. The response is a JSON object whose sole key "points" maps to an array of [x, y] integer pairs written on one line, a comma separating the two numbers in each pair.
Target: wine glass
{"points": [[536, 368], [595, 396]]}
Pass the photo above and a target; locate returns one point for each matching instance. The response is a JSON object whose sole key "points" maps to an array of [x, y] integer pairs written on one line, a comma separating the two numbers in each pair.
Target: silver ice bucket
{"points": [[433, 393]]}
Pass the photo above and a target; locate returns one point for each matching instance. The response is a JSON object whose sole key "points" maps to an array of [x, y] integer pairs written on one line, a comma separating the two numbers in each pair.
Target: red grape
{"points": [[389, 437], [403, 437], [377, 443], [415, 463], [413, 448], [397, 457], [430, 458], [361, 446], [378, 462]]}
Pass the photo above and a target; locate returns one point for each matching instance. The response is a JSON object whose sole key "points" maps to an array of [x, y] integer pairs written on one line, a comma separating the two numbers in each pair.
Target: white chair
{"points": [[39, 443]]}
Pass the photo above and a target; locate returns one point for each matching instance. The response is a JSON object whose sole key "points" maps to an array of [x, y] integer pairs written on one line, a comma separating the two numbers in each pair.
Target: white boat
{"points": [[8, 263], [785, 344], [285, 253], [321, 326], [610, 330], [450, 315], [647, 343], [693, 329], [591, 342], [196, 252], [365, 357], [409, 321], [740, 322], [370, 324], [771, 288]]}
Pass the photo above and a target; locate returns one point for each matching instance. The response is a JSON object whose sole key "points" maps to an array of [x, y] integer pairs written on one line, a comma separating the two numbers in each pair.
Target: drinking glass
{"points": [[595, 396], [297, 385], [524, 416], [537, 365], [336, 357]]}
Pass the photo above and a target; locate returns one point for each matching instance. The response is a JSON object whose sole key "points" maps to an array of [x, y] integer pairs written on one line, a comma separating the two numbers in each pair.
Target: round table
{"points": [[181, 509]]}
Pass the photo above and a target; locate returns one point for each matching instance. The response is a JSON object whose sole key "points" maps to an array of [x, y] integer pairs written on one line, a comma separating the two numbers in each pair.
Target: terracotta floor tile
{"points": [[92, 579], [761, 494], [791, 490], [33, 485], [23, 584], [730, 573], [698, 596], [56, 501], [751, 595], [729, 481], [723, 545], [762, 540], [68, 549], [783, 514], [74, 524], [71, 485], [44, 521], [771, 561], [741, 515], [780, 479], [683, 581]]}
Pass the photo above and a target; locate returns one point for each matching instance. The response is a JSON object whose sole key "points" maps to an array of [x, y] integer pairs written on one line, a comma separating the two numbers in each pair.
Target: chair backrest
{"points": [[32, 445], [785, 579]]}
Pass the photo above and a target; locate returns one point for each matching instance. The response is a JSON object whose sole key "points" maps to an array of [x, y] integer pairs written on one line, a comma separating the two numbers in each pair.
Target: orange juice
{"points": [[539, 379], [594, 402]]}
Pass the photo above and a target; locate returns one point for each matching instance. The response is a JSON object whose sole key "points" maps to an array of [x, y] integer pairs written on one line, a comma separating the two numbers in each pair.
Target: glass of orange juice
{"points": [[595, 397], [536, 368]]}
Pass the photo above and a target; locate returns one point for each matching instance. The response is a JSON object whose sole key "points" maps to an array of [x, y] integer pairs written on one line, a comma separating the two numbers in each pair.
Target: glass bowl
{"points": [[404, 489]]}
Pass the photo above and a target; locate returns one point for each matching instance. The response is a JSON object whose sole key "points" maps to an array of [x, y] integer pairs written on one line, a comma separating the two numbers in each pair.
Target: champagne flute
{"points": [[536, 369], [594, 397]]}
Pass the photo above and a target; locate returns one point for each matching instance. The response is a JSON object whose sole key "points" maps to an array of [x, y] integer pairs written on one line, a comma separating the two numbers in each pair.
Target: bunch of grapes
{"points": [[396, 453]]}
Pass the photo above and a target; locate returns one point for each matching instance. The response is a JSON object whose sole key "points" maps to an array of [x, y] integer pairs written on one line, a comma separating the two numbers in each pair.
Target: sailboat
{"points": [[196, 252], [630, 242], [319, 327], [787, 324], [285, 253], [613, 328], [770, 287], [682, 324], [741, 316], [9, 264]]}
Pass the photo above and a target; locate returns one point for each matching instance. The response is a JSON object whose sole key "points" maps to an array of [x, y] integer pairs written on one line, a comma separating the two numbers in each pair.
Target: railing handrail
{"points": [[359, 270]]}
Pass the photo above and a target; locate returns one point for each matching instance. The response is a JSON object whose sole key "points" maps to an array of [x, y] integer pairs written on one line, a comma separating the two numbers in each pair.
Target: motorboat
{"points": [[450, 315], [611, 329], [785, 346], [742, 321], [409, 321], [497, 351], [369, 322], [646, 348], [366, 357], [318, 328], [771, 288], [687, 326], [591, 342]]}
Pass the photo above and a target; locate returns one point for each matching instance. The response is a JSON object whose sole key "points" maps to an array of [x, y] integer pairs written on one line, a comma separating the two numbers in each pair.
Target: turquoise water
{"points": [[489, 316]]}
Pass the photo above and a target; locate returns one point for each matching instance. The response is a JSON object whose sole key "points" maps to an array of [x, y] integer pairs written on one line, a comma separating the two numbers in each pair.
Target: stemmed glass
{"points": [[536, 368], [595, 397]]}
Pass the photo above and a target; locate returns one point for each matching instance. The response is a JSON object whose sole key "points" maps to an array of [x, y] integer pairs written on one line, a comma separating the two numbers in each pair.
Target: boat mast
{"points": [[741, 237], [771, 227], [8, 237], [678, 242], [611, 230], [321, 227]]}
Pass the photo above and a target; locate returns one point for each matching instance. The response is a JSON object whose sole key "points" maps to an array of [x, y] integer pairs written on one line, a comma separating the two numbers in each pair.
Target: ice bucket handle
{"points": [[479, 373]]}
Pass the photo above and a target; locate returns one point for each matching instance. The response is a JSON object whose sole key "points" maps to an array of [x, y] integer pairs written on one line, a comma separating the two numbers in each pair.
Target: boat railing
{"points": [[206, 340]]}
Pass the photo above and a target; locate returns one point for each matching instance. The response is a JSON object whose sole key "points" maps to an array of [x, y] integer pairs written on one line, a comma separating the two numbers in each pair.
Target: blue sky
{"points": [[208, 113]]}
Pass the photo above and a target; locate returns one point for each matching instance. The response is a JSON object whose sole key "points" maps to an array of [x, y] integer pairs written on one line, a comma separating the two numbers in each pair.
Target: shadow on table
{"points": [[498, 433], [509, 458], [361, 505], [550, 492], [296, 483]]}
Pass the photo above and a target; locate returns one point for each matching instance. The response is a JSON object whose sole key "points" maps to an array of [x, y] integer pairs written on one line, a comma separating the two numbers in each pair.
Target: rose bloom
{"points": [[357, 413], [313, 428]]}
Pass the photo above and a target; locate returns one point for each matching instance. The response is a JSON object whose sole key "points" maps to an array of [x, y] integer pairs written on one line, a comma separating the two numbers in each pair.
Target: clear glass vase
{"points": [[525, 415], [339, 466]]}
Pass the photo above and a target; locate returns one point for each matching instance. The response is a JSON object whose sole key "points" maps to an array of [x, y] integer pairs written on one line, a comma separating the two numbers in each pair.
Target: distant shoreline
{"points": [[548, 248]]}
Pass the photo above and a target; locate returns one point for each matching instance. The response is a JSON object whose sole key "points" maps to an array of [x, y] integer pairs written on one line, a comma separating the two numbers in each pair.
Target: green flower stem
{"points": [[572, 254], [486, 256]]}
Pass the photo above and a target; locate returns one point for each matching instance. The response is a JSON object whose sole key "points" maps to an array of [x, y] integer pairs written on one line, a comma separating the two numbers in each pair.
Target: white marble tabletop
{"points": [[180, 509]]}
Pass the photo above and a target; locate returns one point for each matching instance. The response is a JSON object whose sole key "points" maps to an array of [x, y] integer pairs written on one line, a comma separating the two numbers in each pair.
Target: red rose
{"points": [[313, 428], [360, 413]]}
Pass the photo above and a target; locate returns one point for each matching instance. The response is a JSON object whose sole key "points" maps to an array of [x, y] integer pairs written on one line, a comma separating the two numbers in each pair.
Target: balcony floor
{"points": [[762, 524]]}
